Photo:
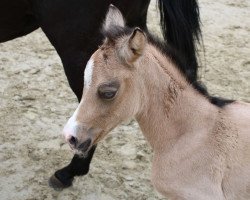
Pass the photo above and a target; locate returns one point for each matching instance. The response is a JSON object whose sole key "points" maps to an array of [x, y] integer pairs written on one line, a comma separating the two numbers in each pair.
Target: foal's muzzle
{"points": [[78, 137]]}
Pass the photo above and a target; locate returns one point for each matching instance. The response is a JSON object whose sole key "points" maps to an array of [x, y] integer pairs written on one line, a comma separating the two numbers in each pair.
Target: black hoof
{"points": [[58, 185]]}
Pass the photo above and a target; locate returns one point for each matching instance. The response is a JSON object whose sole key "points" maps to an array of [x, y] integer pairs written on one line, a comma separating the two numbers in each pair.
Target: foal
{"points": [[201, 150]]}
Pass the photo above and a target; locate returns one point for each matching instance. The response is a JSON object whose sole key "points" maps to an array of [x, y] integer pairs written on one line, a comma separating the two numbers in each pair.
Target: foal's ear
{"points": [[113, 18], [135, 46]]}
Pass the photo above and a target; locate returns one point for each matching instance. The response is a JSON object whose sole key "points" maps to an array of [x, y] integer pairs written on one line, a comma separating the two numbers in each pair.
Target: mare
{"points": [[201, 144], [73, 28]]}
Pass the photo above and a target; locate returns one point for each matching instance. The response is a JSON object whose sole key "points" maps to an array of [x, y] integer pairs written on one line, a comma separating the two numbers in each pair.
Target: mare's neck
{"points": [[171, 107]]}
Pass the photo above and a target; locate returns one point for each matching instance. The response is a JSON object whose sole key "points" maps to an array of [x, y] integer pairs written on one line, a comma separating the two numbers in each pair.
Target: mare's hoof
{"points": [[58, 185]]}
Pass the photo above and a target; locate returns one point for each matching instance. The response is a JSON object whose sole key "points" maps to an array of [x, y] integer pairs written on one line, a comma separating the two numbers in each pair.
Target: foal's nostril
{"points": [[73, 141]]}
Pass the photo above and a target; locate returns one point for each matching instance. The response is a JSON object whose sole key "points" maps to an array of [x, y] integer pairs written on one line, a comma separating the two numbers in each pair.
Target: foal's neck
{"points": [[172, 107]]}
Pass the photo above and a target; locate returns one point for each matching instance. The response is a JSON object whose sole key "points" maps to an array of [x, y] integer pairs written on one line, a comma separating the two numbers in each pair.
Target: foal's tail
{"points": [[180, 23]]}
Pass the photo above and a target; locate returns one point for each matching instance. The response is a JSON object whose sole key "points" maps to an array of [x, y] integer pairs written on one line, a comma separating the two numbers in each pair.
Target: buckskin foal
{"points": [[201, 144]]}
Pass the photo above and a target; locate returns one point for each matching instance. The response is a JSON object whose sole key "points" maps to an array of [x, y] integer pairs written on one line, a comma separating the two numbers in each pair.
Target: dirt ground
{"points": [[36, 101]]}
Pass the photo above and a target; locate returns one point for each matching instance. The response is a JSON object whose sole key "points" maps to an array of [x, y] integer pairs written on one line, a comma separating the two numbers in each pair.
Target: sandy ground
{"points": [[35, 102]]}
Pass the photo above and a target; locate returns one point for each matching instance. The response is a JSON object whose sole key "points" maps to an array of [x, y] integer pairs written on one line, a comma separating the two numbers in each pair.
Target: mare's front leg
{"points": [[74, 65], [78, 166], [73, 30]]}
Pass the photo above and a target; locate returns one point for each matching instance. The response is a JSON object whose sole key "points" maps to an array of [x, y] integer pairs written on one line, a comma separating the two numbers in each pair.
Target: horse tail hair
{"points": [[180, 24]]}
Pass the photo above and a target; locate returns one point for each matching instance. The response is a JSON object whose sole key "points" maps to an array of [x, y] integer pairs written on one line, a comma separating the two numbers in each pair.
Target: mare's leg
{"points": [[73, 29], [74, 65], [74, 69], [78, 166]]}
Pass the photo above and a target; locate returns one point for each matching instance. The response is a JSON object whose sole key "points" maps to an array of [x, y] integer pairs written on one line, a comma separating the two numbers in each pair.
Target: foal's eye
{"points": [[107, 95], [107, 91]]}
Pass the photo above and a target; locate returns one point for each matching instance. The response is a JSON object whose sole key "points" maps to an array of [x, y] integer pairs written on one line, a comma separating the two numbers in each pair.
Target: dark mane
{"points": [[116, 32]]}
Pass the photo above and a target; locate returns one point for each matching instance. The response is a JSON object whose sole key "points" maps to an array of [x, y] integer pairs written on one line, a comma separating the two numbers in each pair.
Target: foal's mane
{"points": [[116, 32]]}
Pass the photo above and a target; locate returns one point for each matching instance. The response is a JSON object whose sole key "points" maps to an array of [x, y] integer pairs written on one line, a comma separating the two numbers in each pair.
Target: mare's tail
{"points": [[180, 23]]}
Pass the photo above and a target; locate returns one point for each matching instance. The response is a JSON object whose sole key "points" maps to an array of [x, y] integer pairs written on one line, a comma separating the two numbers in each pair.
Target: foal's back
{"points": [[237, 175]]}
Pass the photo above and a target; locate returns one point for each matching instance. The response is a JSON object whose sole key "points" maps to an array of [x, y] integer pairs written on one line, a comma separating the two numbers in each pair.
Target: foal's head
{"points": [[111, 88]]}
